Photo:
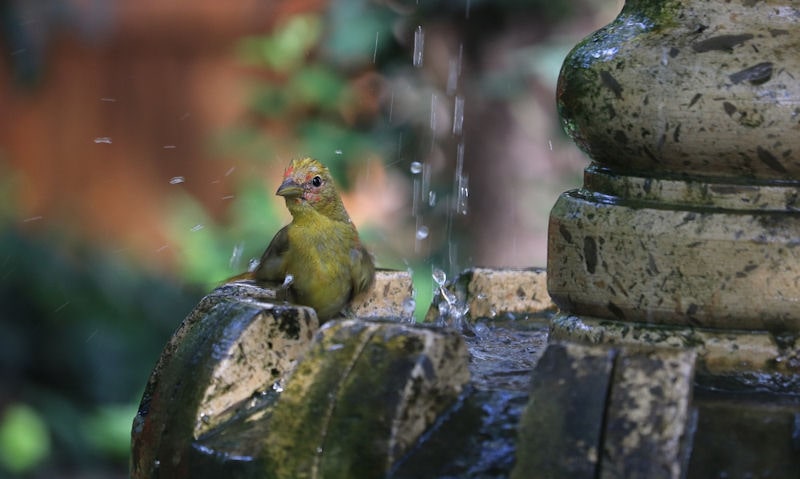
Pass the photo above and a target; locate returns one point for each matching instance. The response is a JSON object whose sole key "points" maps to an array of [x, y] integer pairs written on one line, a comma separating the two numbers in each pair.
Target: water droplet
{"points": [[481, 329], [103, 139], [458, 115], [32, 218], [319, 450], [335, 347], [337, 152], [444, 312], [419, 44], [176, 180], [375, 52], [422, 232], [230, 170], [197, 227], [439, 276], [550, 144], [416, 167], [253, 264], [110, 100], [463, 195], [461, 183], [157, 463], [169, 147], [431, 198], [453, 72], [391, 106], [433, 112], [409, 305]]}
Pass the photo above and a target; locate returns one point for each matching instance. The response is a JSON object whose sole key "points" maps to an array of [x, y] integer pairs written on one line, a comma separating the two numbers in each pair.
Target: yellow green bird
{"points": [[319, 254]]}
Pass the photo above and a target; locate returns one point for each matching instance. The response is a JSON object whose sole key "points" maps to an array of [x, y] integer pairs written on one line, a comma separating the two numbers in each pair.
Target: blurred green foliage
{"points": [[80, 329], [24, 438], [79, 332]]}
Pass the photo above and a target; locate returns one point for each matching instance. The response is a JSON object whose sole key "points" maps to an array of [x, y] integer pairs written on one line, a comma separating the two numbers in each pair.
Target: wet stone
{"points": [[746, 435], [560, 432], [650, 417], [732, 360], [486, 293], [493, 292], [224, 352], [361, 397], [674, 264], [391, 295]]}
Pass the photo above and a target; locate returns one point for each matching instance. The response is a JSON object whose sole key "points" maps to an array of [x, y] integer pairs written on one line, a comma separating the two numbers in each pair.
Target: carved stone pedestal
{"points": [[687, 227]]}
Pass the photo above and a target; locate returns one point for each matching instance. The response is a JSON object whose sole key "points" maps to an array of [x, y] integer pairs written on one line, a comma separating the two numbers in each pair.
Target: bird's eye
{"points": [[316, 181]]}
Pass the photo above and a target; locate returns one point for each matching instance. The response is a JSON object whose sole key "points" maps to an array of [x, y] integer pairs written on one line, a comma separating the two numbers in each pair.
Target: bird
{"points": [[318, 256]]}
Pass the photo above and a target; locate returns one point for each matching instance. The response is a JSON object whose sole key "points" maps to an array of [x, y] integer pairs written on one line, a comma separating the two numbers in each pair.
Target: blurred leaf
{"points": [[24, 439], [354, 26], [204, 251], [109, 429], [317, 86], [245, 142], [271, 101], [287, 47], [423, 287]]}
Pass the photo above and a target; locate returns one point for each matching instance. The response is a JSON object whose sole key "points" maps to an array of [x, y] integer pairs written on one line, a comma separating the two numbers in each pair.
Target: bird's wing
{"points": [[271, 266], [362, 269]]}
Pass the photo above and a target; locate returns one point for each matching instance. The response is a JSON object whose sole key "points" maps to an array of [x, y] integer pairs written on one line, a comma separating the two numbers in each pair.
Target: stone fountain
{"points": [[666, 347]]}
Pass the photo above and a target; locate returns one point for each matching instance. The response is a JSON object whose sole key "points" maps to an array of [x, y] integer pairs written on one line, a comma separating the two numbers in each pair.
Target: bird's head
{"points": [[308, 185]]}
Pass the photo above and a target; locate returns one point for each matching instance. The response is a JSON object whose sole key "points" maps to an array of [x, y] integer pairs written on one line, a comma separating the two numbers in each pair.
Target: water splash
{"points": [[236, 255], [458, 115], [419, 44], [277, 386], [375, 52], [454, 71], [461, 180], [253, 264], [439, 277], [452, 310], [431, 198], [433, 113], [391, 106], [409, 306]]}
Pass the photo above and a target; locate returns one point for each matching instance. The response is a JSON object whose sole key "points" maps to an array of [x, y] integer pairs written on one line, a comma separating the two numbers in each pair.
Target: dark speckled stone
{"points": [[696, 87]]}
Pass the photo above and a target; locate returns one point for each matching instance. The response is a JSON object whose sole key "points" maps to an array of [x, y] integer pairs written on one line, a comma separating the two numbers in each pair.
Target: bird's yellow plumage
{"points": [[320, 248]]}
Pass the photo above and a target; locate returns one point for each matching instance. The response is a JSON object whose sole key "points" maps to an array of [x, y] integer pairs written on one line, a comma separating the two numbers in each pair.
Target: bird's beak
{"points": [[289, 188]]}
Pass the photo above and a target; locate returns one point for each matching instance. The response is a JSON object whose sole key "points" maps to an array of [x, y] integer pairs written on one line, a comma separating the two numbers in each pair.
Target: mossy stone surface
{"points": [[361, 397], [702, 88]]}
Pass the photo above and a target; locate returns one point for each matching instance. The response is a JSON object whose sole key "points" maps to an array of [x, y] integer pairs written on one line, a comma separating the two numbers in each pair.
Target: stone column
{"points": [[686, 229]]}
